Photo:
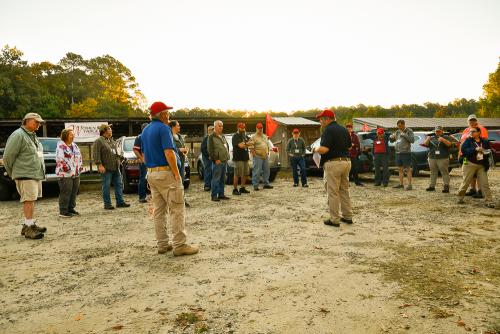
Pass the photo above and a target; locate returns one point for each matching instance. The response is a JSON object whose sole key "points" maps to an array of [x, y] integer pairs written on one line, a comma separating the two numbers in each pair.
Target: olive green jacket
{"points": [[23, 156]]}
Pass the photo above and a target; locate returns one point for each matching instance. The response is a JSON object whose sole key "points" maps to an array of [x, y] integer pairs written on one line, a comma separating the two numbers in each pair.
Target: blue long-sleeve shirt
{"points": [[469, 149]]}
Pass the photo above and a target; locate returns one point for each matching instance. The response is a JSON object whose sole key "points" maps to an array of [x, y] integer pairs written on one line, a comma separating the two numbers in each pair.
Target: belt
{"points": [[340, 159], [158, 169]]}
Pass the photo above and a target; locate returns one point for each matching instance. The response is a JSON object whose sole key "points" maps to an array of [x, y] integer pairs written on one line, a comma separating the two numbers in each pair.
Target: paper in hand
{"points": [[316, 158]]}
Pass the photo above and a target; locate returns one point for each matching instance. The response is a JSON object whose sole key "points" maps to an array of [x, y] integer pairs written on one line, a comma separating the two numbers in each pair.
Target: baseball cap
{"points": [[259, 126], [438, 128], [380, 131], [104, 127], [158, 107], [471, 117], [34, 116], [241, 125], [295, 130], [326, 113]]}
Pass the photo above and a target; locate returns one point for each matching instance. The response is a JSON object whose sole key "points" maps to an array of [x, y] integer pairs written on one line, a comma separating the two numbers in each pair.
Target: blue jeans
{"points": [[260, 166], [207, 172], [218, 179], [106, 184], [301, 163], [142, 181]]}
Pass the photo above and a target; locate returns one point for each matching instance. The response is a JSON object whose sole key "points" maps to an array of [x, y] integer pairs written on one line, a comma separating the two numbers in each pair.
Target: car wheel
{"points": [[126, 186], [199, 168], [5, 193]]}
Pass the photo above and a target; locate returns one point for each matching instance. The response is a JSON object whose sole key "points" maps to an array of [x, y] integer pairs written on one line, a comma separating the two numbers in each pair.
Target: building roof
{"points": [[295, 121], [425, 123]]}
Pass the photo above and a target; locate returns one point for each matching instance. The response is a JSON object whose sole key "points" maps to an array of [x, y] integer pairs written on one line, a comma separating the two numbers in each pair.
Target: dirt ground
{"points": [[413, 262]]}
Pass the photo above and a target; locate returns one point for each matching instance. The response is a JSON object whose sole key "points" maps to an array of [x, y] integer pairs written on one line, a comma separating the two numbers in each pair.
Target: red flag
{"points": [[366, 128], [271, 125]]}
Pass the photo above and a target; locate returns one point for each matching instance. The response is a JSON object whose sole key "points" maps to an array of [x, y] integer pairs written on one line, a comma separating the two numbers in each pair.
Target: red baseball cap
{"points": [[295, 131], [380, 131], [158, 107], [259, 126], [326, 113], [241, 125]]}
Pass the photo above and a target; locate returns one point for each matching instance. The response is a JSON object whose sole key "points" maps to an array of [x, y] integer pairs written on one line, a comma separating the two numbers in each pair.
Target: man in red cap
{"points": [[260, 161], [296, 149], [163, 163], [381, 157], [241, 142], [354, 153], [334, 149]]}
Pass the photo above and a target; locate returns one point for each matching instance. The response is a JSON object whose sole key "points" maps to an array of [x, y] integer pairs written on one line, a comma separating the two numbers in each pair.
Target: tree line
{"points": [[73, 88], [102, 87]]}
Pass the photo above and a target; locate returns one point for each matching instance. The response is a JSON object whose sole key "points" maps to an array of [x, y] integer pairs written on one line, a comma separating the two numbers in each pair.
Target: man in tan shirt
{"points": [[260, 154]]}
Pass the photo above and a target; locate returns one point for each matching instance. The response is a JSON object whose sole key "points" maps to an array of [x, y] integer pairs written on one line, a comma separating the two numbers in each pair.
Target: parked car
{"points": [[365, 158], [7, 185], [274, 161], [130, 165], [494, 139]]}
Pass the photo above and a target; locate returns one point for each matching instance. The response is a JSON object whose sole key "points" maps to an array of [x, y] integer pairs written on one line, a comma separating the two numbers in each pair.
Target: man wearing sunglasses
{"points": [[475, 190]]}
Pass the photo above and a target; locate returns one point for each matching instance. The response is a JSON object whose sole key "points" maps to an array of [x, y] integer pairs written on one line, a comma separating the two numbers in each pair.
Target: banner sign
{"points": [[85, 131]]}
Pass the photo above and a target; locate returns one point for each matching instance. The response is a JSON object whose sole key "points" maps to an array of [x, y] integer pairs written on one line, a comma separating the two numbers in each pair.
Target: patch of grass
{"points": [[201, 328], [440, 313], [188, 318], [443, 273], [96, 252]]}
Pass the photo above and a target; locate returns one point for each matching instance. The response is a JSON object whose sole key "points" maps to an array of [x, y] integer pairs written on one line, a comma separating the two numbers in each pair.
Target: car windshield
{"points": [[128, 144], [419, 138], [49, 145], [494, 135]]}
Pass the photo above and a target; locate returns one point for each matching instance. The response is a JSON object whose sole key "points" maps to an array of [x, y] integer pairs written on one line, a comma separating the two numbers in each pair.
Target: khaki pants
{"points": [[439, 166], [168, 199], [29, 190], [468, 171], [336, 179]]}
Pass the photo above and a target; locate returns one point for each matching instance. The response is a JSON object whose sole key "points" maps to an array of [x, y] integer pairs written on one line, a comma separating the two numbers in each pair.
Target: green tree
{"points": [[16, 84], [490, 101]]}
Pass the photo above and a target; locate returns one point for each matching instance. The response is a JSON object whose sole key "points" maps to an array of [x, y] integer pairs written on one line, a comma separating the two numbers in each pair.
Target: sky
{"points": [[280, 55]]}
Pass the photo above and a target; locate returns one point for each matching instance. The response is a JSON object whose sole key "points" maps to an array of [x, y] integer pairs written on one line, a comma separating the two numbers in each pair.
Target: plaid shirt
{"points": [[104, 153]]}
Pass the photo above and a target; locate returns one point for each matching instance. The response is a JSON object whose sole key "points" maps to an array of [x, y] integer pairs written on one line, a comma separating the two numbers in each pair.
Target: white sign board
{"points": [[85, 131]]}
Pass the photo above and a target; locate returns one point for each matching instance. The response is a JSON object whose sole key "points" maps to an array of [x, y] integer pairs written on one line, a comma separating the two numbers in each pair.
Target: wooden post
{"points": [[44, 129]]}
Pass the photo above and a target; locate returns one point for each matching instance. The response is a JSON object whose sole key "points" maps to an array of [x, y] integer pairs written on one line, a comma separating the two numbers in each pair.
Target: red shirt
{"points": [[379, 146], [355, 149]]}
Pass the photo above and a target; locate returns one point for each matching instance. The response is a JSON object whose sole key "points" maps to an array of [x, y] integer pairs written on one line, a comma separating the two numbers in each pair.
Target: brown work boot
{"points": [[31, 232], [163, 250], [185, 250], [36, 227]]}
